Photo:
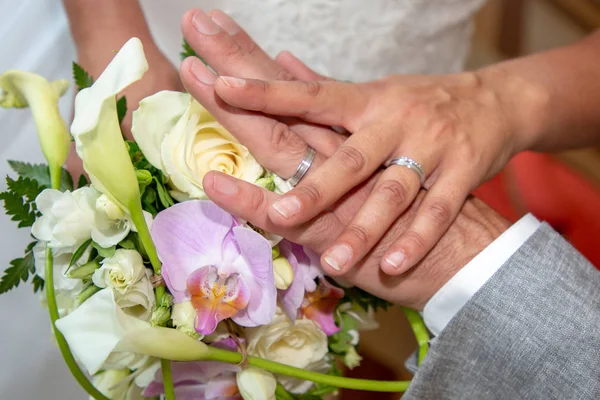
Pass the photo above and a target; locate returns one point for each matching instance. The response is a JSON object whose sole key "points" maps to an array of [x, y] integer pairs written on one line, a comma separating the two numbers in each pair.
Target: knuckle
{"points": [[393, 192], [313, 88], [311, 192], [359, 233], [231, 51], [283, 75], [440, 211], [351, 158], [258, 201], [415, 239]]}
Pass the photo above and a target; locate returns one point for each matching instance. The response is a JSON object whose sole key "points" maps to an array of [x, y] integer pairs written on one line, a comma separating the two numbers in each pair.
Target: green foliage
{"points": [[364, 299], [79, 253], [121, 109], [81, 77], [41, 174], [340, 342], [19, 200], [82, 181], [19, 272], [104, 252], [187, 51], [38, 284], [152, 182]]}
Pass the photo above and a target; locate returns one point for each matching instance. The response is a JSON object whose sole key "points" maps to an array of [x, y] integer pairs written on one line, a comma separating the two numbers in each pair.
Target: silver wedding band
{"points": [[303, 167], [410, 164]]}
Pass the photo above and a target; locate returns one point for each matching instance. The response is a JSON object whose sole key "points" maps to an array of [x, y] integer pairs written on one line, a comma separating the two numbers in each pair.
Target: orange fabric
{"points": [[552, 192]]}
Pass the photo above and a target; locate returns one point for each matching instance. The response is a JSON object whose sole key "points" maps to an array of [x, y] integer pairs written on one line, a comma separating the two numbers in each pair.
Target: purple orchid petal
{"points": [[215, 297], [257, 261], [310, 264], [292, 297], [223, 386], [319, 306], [188, 236]]}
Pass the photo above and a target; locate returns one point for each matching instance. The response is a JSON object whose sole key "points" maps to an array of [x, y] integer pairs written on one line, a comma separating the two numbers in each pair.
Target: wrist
{"points": [[524, 104], [475, 228]]}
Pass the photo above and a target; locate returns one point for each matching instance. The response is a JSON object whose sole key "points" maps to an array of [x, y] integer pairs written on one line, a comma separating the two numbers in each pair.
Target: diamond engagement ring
{"points": [[408, 163], [303, 167]]}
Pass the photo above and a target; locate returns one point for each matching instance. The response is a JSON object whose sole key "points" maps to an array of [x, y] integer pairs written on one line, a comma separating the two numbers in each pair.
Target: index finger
{"points": [[323, 102]]}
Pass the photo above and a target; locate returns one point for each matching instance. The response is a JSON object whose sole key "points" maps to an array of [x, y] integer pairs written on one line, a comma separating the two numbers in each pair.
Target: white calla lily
{"points": [[98, 137], [24, 89], [256, 384], [99, 328]]}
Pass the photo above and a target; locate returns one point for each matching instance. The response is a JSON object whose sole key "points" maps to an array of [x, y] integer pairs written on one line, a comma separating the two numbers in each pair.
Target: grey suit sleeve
{"points": [[531, 332]]}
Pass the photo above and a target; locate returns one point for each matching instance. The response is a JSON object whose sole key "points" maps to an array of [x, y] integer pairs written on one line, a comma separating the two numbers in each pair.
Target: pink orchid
{"points": [[224, 269], [306, 269], [320, 306]]}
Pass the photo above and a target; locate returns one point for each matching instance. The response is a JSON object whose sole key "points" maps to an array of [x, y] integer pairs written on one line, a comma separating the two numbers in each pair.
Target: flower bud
{"points": [[267, 182], [352, 359], [108, 207], [85, 271], [256, 384], [284, 275], [160, 316], [275, 252], [87, 293]]}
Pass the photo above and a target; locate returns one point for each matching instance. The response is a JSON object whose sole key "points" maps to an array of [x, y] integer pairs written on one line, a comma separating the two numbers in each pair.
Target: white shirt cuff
{"points": [[448, 301]]}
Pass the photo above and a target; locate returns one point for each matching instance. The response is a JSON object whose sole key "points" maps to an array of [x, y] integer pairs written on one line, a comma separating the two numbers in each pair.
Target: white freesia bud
{"points": [[121, 336], [121, 271], [301, 344], [183, 316], [98, 138], [23, 89], [180, 137], [108, 207], [284, 275], [256, 384]]}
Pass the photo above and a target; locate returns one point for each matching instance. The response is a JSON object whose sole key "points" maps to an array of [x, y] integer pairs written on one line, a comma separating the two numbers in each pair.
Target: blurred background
{"points": [[563, 188]]}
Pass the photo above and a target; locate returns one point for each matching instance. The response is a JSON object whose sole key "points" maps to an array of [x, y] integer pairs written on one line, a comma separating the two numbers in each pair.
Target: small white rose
{"points": [[301, 344], [186, 142], [138, 300], [121, 271]]}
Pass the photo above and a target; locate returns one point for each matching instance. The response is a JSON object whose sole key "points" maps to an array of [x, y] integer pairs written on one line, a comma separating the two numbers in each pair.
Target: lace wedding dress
{"points": [[354, 40]]}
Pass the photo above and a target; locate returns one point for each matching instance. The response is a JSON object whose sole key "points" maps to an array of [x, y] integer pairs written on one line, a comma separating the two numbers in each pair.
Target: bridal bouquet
{"points": [[152, 289]]}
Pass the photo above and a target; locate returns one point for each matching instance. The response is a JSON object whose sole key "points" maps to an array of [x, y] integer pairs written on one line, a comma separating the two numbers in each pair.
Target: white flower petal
{"points": [[256, 384]]}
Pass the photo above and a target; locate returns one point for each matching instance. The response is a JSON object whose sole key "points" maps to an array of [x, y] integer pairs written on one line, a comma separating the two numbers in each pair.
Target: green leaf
{"points": [[20, 270], [364, 299], [81, 77], [105, 252], [38, 284], [121, 109], [187, 51], [19, 200], [165, 198], [41, 174], [78, 253], [144, 178], [129, 242], [82, 181]]}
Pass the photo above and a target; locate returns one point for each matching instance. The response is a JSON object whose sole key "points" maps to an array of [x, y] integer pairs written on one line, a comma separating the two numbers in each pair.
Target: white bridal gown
{"points": [[346, 39]]}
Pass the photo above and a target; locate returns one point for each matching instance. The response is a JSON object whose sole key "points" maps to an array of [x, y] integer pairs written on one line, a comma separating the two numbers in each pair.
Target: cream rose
{"points": [[301, 344], [179, 137]]}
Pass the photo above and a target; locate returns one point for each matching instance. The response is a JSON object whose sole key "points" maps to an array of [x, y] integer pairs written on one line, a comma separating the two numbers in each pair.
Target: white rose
{"points": [[121, 271], [301, 344], [70, 218], [178, 136]]}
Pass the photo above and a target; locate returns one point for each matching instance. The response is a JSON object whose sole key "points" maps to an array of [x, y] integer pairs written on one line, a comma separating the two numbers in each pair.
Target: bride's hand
{"points": [[280, 147], [459, 128]]}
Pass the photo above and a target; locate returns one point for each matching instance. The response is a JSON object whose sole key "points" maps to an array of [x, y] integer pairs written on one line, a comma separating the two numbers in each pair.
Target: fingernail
{"points": [[396, 259], [339, 256], [225, 22], [204, 24], [288, 206], [224, 184], [202, 73], [233, 82]]}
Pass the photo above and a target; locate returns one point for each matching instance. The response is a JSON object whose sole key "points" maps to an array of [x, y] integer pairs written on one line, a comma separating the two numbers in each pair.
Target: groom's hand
{"points": [[279, 145]]}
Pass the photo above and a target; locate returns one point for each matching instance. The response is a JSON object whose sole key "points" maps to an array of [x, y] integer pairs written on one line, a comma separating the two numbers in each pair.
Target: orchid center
{"points": [[215, 297]]}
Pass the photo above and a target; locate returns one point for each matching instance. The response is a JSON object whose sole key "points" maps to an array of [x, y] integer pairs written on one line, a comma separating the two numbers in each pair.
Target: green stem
{"points": [[55, 173], [60, 339], [419, 330], [165, 366], [137, 216], [215, 354]]}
